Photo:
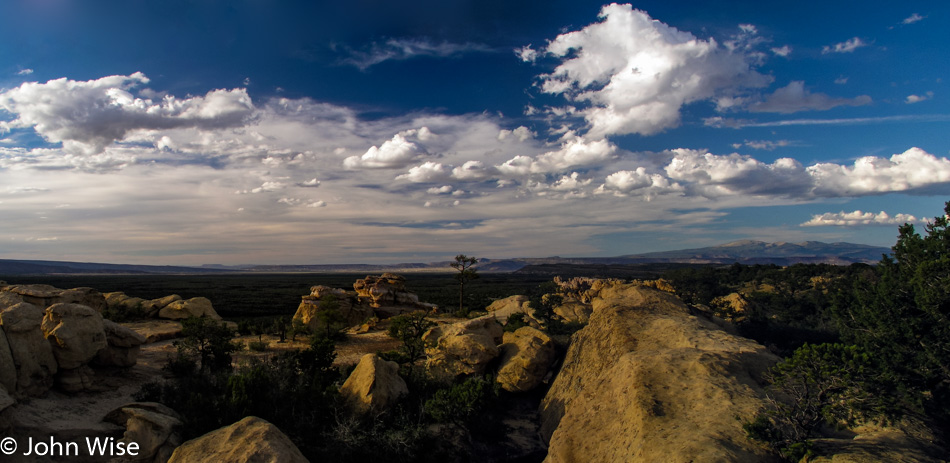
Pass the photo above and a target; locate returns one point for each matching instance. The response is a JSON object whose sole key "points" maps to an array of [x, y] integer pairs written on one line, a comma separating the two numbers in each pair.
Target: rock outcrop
{"points": [[503, 309], [374, 385], [123, 345], [381, 296], [249, 440], [527, 355], [76, 333], [463, 348], [153, 426], [194, 307], [31, 352], [646, 381]]}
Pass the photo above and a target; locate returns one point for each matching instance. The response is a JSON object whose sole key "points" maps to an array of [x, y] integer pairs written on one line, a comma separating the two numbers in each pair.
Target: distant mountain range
{"points": [[743, 252]]}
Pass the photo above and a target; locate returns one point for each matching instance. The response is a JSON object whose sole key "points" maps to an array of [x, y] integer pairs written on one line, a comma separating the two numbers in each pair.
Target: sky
{"points": [[193, 132]]}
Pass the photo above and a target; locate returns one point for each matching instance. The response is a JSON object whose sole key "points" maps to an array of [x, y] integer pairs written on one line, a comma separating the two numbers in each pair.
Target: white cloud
{"points": [[473, 171], [713, 175], [782, 51], [395, 153], [912, 19], [312, 183], [427, 172], [269, 186], [767, 145], [856, 218], [635, 73], [912, 169], [403, 49], [841, 80], [575, 151], [24, 72], [794, 97], [521, 134], [88, 116], [911, 99], [316, 204], [526, 54], [441, 190], [639, 181], [847, 46]]}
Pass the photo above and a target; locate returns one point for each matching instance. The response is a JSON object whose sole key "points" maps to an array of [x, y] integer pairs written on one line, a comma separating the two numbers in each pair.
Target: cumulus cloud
{"points": [[714, 175], [88, 116], [795, 97], [575, 151], [521, 134], [407, 48], [635, 73], [856, 218], [526, 54], [395, 153], [627, 182], [911, 99], [427, 172], [847, 46], [312, 183], [912, 169], [473, 171]]}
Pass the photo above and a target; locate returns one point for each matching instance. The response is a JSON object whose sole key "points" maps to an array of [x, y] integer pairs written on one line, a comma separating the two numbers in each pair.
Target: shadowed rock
{"points": [[249, 440]]}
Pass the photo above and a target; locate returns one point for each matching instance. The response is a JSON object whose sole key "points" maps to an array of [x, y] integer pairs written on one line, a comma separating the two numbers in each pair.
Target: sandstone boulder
{"points": [[153, 426], [309, 308], [249, 440], [503, 309], [527, 355], [374, 385], [645, 381], [463, 348], [573, 311], [386, 292], [122, 303], [31, 352], [76, 333], [733, 307], [194, 307], [41, 296], [88, 297], [77, 379], [122, 348]]}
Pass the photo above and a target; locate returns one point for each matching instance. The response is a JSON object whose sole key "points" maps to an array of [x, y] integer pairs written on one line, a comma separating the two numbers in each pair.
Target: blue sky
{"points": [[202, 131]]}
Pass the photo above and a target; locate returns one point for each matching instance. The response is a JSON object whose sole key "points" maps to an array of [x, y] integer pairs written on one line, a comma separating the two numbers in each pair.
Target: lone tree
{"points": [[466, 271]]}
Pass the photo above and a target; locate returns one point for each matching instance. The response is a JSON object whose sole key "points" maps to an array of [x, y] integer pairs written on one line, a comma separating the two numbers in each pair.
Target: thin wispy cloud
{"points": [[911, 99], [404, 49], [913, 18], [24, 72], [848, 46], [721, 122]]}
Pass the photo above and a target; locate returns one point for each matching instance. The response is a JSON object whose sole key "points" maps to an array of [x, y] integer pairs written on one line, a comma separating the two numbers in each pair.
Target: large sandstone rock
{"points": [[153, 426], [527, 355], [76, 333], [194, 307], [88, 297], [574, 311], [249, 440], [122, 348], [463, 348], [374, 385], [122, 303], [387, 294], [502, 309], [645, 381], [31, 352], [41, 296], [309, 308]]}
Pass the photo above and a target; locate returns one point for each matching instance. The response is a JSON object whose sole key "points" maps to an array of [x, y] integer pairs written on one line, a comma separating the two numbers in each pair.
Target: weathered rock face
{"points": [[374, 385], [503, 309], [122, 348], [463, 348], [45, 295], [153, 426], [76, 333], [573, 311], [646, 381], [309, 308], [31, 352], [5, 399], [732, 307], [388, 290], [527, 355], [88, 297], [7, 367], [249, 440], [194, 307]]}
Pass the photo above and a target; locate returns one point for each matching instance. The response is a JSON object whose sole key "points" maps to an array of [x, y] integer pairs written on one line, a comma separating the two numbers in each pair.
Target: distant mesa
{"points": [[743, 251]]}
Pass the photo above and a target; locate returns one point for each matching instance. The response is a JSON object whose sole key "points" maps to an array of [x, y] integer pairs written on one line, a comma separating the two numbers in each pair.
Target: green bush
{"points": [[461, 402]]}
